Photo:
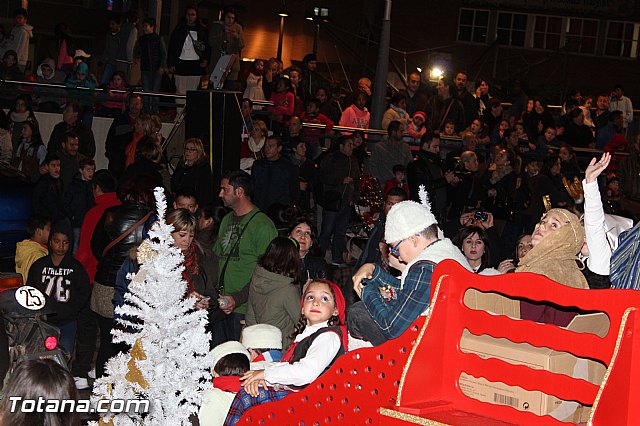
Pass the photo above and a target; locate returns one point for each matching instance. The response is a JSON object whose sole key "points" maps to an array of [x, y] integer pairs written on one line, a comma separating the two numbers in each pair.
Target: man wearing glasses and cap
{"points": [[389, 305]]}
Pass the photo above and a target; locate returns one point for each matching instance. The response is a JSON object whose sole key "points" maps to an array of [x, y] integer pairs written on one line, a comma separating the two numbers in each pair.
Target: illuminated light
{"points": [[435, 73], [283, 12], [419, 69], [51, 343]]}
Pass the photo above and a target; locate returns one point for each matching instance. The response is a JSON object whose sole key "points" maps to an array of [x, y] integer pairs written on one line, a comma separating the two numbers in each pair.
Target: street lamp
{"points": [[317, 14], [282, 13]]}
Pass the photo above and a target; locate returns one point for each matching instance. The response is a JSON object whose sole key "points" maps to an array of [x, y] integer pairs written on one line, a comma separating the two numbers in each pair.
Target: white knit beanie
{"points": [[408, 218], [262, 336], [227, 348]]}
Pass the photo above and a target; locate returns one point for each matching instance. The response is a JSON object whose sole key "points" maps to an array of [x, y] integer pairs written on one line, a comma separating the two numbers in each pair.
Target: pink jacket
{"points": [[355, 117]]}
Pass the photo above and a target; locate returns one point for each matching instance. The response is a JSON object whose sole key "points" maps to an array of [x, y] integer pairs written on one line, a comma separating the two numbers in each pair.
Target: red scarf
{"points": [[227, 383], [191, 267], [287, 356]]}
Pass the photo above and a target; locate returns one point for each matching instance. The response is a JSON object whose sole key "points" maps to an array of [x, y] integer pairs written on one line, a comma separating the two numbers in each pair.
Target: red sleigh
{"points": [[423, 377]]}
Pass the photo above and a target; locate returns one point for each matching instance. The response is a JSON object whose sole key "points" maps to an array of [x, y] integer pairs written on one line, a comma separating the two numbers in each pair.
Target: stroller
{"points": [[24, 334]]}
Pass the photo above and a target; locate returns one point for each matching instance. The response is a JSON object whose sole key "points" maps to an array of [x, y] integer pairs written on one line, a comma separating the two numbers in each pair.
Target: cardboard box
{"points": [[539, 359], [492, 302]]}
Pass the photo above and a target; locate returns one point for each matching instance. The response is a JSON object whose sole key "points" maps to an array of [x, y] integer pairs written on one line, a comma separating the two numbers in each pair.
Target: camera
{"points": [[481, 216]]}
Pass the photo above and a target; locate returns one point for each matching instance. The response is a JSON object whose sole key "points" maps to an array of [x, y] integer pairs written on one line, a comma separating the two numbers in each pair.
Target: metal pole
{"points": [[382, 69], [280, 37], [316, 35]]}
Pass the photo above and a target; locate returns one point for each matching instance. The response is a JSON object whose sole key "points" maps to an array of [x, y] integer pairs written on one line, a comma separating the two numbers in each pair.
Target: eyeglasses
{"points": [[395, 250]]}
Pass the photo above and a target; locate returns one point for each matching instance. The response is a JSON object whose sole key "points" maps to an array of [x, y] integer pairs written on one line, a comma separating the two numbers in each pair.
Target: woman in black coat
{"points": [[194, 173], [126, 225]]}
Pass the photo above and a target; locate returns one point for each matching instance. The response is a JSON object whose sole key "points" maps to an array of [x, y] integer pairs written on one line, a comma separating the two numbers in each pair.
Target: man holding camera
{"points": [[427, 169]]}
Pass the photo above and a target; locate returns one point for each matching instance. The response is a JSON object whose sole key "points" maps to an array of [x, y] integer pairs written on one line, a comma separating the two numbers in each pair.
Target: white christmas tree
{"points": [[169, 361]]}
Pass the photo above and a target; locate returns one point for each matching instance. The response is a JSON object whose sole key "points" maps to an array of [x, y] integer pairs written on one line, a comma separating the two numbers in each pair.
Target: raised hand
{"points": [[595, 168]]}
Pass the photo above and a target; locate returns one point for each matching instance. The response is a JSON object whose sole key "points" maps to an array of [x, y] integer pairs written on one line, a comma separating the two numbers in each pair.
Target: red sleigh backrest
{"points": [[349, 393], [432, 375]]}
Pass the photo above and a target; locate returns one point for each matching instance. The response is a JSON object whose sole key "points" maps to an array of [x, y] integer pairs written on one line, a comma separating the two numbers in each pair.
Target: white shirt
{"points": [[322, 351], [602, 237], [188, 52]]}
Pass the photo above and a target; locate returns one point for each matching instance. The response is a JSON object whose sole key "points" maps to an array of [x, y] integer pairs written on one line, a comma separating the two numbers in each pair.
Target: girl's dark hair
{"points": [[395, 100], [542, 103], [282, 257], [216, 213], [36, 137], [515, 251], [287, 83], [467, 231], [27, 102], [232, 365], [479, 82], [549, 162], [40, 378], [302, 322]]}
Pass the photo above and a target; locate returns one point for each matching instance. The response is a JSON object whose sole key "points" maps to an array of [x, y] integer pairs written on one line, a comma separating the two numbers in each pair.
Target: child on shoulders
{"points": [[319, 339], [230, 362]]}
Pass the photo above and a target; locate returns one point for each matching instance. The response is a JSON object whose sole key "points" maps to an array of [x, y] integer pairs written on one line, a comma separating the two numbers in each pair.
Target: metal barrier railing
{"points": [[373, 132]]}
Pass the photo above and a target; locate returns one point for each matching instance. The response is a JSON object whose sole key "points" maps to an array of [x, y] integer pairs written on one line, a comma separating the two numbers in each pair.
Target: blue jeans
{"points": [[362, 326], [68, 335], [334, 224], [227, 329], [109, 69], [151, 82]]}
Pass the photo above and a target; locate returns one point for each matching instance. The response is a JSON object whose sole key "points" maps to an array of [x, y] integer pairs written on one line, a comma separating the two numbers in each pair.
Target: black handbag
{"points": [[198, 45]]}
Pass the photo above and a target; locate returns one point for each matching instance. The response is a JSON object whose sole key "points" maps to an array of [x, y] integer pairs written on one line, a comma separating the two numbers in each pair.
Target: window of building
{"points": [[622, 39], [581, 35], [473, 25], [547, 32], [511, 29]]}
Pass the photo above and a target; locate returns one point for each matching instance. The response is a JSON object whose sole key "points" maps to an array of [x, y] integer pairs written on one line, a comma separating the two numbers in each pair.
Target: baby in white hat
{"points": [[230, 361], [264, 343]]}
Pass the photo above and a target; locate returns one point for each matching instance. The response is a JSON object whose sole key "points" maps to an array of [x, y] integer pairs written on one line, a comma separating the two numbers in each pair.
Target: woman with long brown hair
{"points": [[274, 293]]}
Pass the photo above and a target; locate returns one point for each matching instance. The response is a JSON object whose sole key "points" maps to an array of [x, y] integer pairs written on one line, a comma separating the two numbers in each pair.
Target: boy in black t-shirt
{"points": [[65, 281]]}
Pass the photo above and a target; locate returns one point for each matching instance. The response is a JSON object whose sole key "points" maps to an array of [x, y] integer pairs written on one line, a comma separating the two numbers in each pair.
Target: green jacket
{"points": [[274, 299], [243, 256]]}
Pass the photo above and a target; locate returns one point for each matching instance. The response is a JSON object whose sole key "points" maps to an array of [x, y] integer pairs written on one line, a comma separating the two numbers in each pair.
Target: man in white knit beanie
{"points": [[389, 305]]}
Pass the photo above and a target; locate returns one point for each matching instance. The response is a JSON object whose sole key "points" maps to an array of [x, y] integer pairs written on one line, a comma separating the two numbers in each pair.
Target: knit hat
{"points": [[262, 336], [341, 304], [227, 348], [421, 115], [408, 218]]}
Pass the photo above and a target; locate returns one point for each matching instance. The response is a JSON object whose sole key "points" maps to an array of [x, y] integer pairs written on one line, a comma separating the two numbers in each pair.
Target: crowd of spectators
{"points": [[505, 193]]}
